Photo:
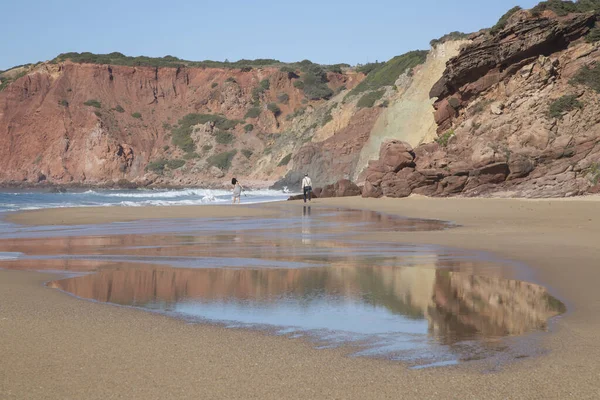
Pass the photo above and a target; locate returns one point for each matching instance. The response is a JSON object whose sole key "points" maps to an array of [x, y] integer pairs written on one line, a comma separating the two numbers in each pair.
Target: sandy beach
{"points": [[57, 346], [98, 215]]}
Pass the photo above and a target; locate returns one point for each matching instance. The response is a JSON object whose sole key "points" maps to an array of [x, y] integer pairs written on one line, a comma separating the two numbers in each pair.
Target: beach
{"points": [[57, 346]]}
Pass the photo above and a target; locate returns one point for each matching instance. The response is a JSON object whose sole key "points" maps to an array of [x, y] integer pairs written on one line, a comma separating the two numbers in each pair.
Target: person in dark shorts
{"points": [[306, 187]]}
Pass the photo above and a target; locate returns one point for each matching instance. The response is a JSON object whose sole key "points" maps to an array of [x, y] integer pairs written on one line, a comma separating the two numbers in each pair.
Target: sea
{"points": [[23, 199]]}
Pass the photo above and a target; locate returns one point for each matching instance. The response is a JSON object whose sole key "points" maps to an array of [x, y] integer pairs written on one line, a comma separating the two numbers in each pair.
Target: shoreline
{"points": [[130, 348], [98, 215]]}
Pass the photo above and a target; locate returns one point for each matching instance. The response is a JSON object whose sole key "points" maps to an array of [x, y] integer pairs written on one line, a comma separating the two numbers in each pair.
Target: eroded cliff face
{"points": [[96, 124], [512, 121], [341, 148]]}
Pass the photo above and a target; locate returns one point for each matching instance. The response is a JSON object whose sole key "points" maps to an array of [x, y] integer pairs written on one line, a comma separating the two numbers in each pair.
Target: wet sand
{"points": [[97, 215], [56, 346]]}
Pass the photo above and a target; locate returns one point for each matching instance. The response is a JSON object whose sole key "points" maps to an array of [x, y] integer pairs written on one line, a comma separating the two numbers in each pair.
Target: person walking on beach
{"points": [[306, 187], [237, 190]]}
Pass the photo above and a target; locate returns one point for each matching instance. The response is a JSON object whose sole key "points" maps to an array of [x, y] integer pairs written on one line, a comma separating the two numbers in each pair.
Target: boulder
{"points": [[345, 188], [372, 189], [395, 155]]}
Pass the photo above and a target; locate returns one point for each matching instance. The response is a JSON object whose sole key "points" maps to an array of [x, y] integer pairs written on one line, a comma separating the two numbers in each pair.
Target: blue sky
{"points": [[323, 31]]}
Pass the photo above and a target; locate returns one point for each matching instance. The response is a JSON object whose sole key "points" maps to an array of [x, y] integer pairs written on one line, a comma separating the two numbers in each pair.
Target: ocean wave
{"points": [[10, 255], [133, 198]]}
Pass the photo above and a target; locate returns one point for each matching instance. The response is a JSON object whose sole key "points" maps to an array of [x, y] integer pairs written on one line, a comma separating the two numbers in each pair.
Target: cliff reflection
{"points": [[454, 305]]}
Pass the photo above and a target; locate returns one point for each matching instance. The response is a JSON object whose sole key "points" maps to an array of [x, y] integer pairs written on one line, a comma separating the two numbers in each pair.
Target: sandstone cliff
{"points": [[94, 123], [516, 114]]}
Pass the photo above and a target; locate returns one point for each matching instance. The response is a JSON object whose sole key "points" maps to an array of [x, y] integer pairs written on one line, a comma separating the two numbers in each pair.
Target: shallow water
{"points": [[27, 199], [301, 275]]}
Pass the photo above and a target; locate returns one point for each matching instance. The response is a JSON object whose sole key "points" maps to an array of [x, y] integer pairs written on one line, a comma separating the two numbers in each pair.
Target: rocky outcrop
{"points": [[342, 188], [490, 59], [497, 136]]}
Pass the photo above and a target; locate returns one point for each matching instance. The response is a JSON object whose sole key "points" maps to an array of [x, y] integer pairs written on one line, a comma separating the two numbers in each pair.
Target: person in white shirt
{"points": [[306, 187]]}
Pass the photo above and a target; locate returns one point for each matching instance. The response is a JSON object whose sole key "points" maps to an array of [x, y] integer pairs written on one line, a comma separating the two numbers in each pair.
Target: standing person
{"points": [[237, 190], [306, 187]]}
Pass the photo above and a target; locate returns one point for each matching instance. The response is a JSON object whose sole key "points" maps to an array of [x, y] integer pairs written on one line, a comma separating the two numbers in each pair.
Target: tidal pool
{"points": [[302, 276]]}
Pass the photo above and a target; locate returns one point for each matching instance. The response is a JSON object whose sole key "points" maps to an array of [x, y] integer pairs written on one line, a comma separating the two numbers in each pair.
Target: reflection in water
{"points": [[300, 273], [452, 306]]}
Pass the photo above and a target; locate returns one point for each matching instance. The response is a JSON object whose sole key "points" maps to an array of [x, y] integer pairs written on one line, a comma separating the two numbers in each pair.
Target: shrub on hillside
{"points": [[368, 100], [223, 137], [93, 103], [175, 164], [207, 147], [253, 112], [594, 35], [248, 128], [315, 83], [63, 103], [159, 166], [274, 108], [222, 160], [369, 67], [327, 117], [265, 84], [443, 139], [456, 35], [191, 156], [386, 74], [283, 98], [501, 24], [299, 84], [136, 115], [181, 133], [120, 109], [564, 104], [562, 8], [285, 160], [587, 76], [214, 85], [247, 153], [337, 68]]}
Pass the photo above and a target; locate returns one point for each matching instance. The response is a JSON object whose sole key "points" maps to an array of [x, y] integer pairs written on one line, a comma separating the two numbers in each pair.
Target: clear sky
{"points": [[323, 31]]}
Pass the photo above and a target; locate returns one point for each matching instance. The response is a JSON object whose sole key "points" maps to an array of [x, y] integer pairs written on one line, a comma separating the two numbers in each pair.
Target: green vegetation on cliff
{"points": [[247, 153], [594, 35], [501, 24], [456, 35], [562, 8], [589, 77], [158, 166], [93, 103], [274, 108], [564, 104], [222, 160], [285, 160], [386, 74], [223, 137], [369, 99], [7, 80], [443, 139], [314, 83], [117, 58], [253, 112], [181, 133]]}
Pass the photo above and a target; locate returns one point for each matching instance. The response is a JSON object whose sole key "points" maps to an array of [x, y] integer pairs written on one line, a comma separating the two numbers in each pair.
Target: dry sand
{"points": [[56, 346]]}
